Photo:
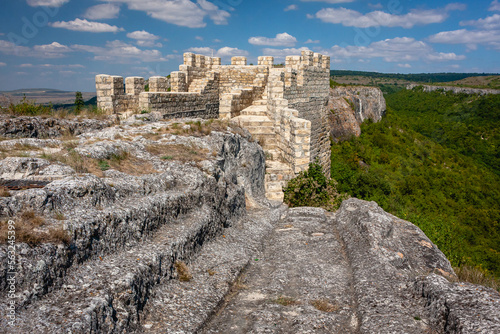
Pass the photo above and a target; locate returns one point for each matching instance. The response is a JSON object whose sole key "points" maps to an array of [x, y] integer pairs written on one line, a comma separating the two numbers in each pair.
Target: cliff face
{"points": [[456, 90], [351, 106]]}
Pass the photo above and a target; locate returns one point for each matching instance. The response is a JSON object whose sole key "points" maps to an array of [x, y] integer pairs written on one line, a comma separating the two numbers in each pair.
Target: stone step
{"points": [[247, 120], [106, 295], [262, 102], [261, 130], [255, 110], [277, 167], [267, 142]]}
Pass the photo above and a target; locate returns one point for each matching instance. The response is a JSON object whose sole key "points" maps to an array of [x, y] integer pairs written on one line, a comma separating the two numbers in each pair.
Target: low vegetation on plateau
{"points": [[433, 160]]}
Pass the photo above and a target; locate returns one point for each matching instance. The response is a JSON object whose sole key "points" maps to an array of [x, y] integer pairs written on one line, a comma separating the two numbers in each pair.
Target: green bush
{"points": [[312, 188], [29, 108]]}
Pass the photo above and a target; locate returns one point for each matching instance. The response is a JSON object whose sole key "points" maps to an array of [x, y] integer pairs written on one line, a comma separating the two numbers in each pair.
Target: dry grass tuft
{"points": [[29, 228], [123, 162], [466, 273], [182, 271], [324, 305], [4, 192], [285, 301], [178, 152], [16, 150]]}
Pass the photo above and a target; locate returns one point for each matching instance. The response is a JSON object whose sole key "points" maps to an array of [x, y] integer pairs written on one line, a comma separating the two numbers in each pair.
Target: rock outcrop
{"points": [[47, 127], [191, 245], [454, 89], [360, 270], [352, 105]]}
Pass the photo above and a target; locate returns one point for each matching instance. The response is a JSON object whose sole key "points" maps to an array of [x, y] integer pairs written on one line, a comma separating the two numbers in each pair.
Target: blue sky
{"points": [[63, 44]]}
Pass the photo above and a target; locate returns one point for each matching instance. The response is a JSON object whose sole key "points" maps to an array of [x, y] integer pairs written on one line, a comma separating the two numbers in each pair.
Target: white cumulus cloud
{"points": [[352, 18], [104, 11], [291, 7], [329, 1], [471, 38], [144, 38], [282, 53], [400, 50], [184, 13], [3, 64], [489, 23], [121, 52], [84, 25], [224, 52], [495, 6], [283, 39], [53, 50], [47, 3], [310, 41], [404, 65]]}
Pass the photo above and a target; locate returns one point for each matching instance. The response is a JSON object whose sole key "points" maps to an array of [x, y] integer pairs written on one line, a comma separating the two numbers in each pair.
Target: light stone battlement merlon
{"points": [[265, 61], [308, 59], [241, 61]]}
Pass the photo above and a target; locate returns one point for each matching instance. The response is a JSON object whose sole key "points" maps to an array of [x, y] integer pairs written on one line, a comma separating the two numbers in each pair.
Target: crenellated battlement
{"points": [[284, 107]]}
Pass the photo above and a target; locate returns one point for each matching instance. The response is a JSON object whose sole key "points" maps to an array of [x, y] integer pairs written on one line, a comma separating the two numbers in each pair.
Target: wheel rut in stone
{"points": [[299, 283]]}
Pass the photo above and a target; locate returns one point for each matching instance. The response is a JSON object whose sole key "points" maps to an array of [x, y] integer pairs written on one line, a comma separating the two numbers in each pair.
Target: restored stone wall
{"points": [[111, 95], [307, 90], [294, 99]]}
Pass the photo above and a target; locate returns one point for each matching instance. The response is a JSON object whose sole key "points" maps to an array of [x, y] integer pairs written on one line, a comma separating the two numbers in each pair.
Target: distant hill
{"points": [[45, 96], [416, 77]]}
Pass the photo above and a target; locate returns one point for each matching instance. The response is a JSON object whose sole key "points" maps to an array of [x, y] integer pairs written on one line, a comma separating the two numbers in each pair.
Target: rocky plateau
{"points": [[154, 226]]}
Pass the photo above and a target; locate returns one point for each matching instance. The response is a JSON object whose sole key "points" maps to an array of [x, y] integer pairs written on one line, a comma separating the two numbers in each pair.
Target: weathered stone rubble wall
{"points": [[455, 90], [352, 105]]}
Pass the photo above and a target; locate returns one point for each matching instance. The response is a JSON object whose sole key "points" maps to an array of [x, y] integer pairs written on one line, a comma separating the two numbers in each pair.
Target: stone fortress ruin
{"points": [[284, 108]]}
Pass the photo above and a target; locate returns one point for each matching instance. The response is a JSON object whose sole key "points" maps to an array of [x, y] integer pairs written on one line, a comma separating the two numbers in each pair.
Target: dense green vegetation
{"points": [[312, 188], [468, 124], [417, 77], [433, 160]]}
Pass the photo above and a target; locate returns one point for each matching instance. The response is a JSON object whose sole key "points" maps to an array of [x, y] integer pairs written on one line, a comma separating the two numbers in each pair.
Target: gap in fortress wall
{"points": [[285, 109]]}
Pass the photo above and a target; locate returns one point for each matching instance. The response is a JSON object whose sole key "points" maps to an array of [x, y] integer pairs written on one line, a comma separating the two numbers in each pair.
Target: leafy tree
{"points": [[79, 103]]}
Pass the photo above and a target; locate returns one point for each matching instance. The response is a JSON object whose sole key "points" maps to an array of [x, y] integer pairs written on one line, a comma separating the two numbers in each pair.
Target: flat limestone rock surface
{"points": [[360, 270]]}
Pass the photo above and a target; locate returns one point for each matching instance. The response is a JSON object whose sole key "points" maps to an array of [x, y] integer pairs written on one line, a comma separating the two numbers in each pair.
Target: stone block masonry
{"points": [[285, 109]]}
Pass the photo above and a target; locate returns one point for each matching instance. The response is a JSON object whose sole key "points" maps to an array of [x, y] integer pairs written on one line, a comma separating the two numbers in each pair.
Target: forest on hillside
{"points": [[416, 77], [434, 160]]}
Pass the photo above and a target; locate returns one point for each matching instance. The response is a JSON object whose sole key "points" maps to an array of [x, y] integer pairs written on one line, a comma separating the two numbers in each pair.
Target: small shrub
{"points": [[311, 188], [29, 108], [183, 271]]}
